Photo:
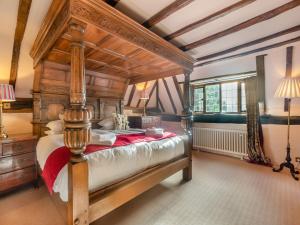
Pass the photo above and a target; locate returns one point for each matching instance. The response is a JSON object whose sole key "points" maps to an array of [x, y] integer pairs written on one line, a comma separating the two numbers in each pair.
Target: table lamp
{"points": [[144, 97], [7, 94], [142, 87], [288, 88]]}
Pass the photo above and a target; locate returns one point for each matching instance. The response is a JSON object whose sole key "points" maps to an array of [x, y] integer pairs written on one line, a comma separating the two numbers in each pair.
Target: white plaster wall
{"points": [[17, 123], [164, 98], [275, 63]]}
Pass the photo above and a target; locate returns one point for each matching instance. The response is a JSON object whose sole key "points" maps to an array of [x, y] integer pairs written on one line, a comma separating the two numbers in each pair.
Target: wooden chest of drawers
{"points": [[143, 122], [17, 161]]}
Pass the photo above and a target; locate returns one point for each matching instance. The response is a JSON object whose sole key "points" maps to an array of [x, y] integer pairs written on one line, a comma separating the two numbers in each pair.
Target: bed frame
{"points": [[85, 55]]}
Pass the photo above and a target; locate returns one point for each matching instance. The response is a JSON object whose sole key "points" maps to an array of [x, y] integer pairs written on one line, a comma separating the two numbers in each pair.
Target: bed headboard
{"points": [[105, 94]]}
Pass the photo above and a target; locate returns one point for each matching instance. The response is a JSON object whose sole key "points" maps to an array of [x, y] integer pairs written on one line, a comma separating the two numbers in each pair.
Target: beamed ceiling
{"points": [[209, 31]]}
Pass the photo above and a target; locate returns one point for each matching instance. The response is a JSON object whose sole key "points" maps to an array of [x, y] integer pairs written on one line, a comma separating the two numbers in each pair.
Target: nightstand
{"points": [[143, 122], [17, 161]]}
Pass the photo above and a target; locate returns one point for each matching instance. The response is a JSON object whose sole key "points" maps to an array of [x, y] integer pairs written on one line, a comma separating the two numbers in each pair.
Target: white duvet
{"points": [[110, 165]]}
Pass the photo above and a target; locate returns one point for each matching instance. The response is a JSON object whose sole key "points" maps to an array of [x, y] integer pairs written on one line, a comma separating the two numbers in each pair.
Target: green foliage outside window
{"points": [[212, 93]]}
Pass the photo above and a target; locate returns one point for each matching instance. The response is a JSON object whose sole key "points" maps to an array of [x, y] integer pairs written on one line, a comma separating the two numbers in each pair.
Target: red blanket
{"points": [[61, 156]]}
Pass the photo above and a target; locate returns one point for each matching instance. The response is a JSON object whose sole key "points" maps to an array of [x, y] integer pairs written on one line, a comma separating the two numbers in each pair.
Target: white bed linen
{"points": [[110, 165]]}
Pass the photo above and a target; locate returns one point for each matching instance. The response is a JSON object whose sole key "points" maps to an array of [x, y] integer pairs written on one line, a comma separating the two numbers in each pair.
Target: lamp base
{"points": [[3, 135], [288, 164]]}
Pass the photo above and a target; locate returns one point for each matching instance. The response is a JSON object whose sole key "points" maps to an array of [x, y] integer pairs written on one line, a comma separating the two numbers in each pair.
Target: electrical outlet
{"points": [[297, 159]]}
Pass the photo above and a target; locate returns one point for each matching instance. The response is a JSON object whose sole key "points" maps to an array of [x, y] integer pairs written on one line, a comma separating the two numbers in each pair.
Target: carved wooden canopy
{"points": [[114, 44]]}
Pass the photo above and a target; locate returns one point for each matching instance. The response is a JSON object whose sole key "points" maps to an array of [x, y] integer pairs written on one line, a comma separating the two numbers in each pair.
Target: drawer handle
{"points": [[18, 147]]}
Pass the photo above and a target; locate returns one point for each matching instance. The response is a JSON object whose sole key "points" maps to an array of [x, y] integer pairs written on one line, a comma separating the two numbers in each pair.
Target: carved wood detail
{"points": [[53, 26], [99, 15]]}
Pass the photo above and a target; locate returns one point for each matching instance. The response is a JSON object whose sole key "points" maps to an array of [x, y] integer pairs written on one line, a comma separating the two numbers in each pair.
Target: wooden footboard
{"points": [[107, 199]]}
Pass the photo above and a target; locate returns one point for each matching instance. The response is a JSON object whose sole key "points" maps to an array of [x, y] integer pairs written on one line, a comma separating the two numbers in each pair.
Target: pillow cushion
{"points": [[121, 121], [107, 124], [56, 126]]}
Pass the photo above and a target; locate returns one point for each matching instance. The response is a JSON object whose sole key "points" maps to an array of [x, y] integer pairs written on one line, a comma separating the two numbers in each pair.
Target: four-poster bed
{"points": [[85, 55]]}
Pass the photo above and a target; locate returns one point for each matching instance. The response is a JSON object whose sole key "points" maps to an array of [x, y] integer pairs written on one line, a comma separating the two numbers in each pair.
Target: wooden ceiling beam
{"points": [[276, 45], [23, 12], [251, 43], [208, 19], [263, 17], [167, 11]]}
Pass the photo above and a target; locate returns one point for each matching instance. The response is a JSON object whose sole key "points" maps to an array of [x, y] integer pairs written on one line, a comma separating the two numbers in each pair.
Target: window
{"points": [[225, 97], [229, 97], [212, 98], [198, 100]]}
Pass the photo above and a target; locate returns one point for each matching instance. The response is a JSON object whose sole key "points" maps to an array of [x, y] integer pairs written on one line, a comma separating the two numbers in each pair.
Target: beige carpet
{"points": [[224, 191]]}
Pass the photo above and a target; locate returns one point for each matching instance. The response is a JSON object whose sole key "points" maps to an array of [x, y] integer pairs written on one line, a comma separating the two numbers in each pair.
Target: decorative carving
{"points": [[43, 44], [109, 22], [77, 118]]}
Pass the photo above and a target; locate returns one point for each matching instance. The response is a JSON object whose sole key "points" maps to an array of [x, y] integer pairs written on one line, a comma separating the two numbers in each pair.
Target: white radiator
{"points": [[229, 142]]}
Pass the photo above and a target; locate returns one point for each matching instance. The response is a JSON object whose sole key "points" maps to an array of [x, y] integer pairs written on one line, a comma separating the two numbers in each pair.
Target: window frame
{"points": [[239, 95]]}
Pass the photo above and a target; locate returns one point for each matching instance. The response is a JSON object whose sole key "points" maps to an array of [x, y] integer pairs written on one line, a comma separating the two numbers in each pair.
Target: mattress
{"points": [[114, 164]]}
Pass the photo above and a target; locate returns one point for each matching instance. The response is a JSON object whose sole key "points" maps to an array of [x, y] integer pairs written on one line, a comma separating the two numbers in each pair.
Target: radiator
{"points": [[228, 142]]}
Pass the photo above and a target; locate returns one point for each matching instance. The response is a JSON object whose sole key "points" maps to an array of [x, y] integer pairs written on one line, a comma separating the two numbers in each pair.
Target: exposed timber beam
{"points": [[248, 44], [112, 2], [23, 12], [131, 95], [161, 105], [167, 11], [179, 92], [151, 92], [208, 19], [263, 17], [170, 95], [276, 45], [289, 61]]}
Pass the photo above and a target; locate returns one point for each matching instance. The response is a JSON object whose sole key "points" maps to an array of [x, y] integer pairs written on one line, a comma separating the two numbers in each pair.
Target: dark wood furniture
{"points": [[87, 52], [17, 161], [144, 122]]}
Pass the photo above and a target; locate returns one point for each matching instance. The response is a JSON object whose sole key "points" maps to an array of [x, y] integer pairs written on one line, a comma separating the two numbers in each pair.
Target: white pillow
{"points": [[107, 124], [56, 126], [61, 116]]}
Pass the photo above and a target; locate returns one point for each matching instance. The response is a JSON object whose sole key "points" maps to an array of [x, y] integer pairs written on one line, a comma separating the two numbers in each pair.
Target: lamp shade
{"points": [[288, 88], [142, 86], [7, 93]]}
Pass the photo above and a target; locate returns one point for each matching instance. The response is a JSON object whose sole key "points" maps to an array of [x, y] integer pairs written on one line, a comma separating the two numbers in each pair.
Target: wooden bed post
{"points": [[186, 122], [77, 132]]}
